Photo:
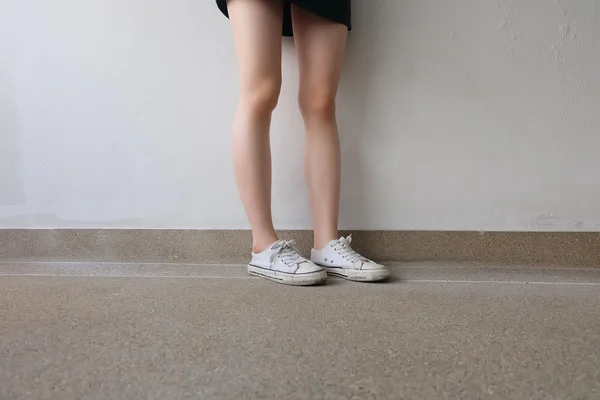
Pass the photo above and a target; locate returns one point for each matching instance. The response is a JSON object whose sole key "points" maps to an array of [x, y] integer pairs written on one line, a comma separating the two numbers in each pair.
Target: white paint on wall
{"points": [[461, 115]]}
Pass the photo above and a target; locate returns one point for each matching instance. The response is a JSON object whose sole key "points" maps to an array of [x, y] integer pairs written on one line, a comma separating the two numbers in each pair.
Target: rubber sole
{"points": [[313, 278], [359, 275]]}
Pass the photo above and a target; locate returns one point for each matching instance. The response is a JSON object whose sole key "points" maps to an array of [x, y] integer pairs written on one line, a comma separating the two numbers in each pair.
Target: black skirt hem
{"points": [[334, 10]]}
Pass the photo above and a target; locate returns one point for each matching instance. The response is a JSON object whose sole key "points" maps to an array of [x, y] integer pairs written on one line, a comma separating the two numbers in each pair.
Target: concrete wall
{"points": [[455, 114]]}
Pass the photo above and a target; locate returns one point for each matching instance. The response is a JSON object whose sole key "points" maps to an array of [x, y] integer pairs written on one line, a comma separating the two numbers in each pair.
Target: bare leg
{"points": [[321, 46], [257, 35]]}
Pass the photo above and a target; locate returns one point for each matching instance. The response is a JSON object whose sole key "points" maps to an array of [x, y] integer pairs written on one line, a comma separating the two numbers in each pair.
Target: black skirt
{"points": [[333, 10]]}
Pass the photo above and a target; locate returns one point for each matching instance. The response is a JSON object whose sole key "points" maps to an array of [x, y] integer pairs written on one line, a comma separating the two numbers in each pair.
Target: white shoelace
{"points": [[287, 253], [343, 248]]}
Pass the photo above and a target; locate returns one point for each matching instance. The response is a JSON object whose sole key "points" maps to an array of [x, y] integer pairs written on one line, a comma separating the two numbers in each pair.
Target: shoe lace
{"points": [[287, 253], [343, 248]]}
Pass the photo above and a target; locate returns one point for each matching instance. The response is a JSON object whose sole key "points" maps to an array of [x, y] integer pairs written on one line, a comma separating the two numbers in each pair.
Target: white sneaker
{"points": [[281, 263], [339, 259]]}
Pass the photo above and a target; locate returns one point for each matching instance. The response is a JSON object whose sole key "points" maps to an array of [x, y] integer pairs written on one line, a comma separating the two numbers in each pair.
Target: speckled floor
{"points": [[161, 331]]}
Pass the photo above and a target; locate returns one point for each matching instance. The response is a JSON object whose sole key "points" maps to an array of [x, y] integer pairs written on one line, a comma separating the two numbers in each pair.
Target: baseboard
{"points": [[232, 246]]}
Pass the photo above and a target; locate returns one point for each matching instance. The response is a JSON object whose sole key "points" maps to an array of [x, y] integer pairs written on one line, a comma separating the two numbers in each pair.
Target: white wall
{"points": [[455, 114]]}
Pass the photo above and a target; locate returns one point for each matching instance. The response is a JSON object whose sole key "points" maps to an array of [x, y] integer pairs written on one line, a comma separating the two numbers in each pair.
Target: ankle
{"points": [[321, 242], [261, 244]]}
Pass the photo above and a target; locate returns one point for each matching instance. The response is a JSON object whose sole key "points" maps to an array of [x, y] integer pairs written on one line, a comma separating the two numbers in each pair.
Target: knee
{"points": [[262, 97], [317, 103]]}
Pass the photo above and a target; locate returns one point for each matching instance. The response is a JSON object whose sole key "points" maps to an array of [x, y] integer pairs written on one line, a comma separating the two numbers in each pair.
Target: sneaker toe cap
{"points": [[371, 266], [307, 268]]}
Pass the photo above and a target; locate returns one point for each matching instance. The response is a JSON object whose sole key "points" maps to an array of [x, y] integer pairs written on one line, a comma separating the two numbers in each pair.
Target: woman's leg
{"points": [[321, 46], [257, 36]]}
